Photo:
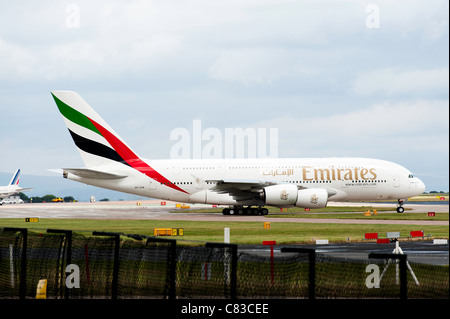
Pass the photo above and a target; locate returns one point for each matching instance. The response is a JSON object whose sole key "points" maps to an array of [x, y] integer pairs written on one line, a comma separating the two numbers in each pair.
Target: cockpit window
{"points": [[410, 176]]}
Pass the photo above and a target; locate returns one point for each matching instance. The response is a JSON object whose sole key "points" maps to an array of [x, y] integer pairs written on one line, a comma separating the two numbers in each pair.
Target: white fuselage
{"points": [[9, 190], [345, 179]]}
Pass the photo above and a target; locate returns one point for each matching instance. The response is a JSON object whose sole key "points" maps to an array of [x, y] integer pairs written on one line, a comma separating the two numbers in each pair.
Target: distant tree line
{"points": [[50, 198], [43, 199]]}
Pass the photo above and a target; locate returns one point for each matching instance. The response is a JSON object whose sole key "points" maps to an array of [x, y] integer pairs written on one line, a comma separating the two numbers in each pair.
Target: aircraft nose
{"points": [[420, 187]]}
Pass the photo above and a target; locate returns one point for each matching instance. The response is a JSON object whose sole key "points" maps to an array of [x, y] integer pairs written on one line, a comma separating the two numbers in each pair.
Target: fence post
{"points": [[68, 235], [403, 274], [312, 266], [233, 279], [172, 264], [23, 265], [115, 278]]}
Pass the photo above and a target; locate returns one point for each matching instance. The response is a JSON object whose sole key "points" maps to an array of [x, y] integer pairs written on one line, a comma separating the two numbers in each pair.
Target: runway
{"points": [[153, 210], [424, 252]]}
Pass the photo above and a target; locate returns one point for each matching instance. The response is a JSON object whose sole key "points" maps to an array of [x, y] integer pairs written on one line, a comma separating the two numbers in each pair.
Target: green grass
{"points": [[338, 212], [241, 232], [380, 216], [422, 198]]}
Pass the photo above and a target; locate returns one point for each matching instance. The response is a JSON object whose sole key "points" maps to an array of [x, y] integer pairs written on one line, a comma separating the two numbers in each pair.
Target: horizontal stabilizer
{"points": [[91, 173]]}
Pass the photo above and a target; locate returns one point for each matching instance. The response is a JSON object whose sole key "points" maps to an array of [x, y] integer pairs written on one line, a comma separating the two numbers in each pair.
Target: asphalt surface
{"points": [[152, 209], [425, 251]]}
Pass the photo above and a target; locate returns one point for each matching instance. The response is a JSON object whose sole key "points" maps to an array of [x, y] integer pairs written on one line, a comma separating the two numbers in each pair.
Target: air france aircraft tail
{"points": [[13, 186], [15, 179]]}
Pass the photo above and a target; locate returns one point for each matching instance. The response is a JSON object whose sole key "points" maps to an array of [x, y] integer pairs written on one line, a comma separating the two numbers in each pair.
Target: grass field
{"points": [[241, 232], [380, 216]]}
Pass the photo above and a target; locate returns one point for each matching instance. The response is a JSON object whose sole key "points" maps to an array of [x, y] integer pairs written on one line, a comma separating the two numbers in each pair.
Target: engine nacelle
{"points": [[280, 195], [312, 198], [290, 195]]}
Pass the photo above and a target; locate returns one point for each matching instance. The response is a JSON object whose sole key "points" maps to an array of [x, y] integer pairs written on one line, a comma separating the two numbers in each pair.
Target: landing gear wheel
{"points": [[400, 208], [239, 210]]}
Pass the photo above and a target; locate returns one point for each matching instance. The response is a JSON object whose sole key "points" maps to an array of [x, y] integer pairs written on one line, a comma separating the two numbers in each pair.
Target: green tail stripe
{"points": [[74, 116]]}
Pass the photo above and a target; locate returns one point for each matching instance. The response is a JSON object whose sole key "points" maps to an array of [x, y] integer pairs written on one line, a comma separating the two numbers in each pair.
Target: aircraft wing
{"points": [[247, 189], [240, 189]]}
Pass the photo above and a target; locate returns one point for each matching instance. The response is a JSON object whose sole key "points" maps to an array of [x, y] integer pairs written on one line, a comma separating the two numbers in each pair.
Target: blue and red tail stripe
{"points": [[15, 179]]}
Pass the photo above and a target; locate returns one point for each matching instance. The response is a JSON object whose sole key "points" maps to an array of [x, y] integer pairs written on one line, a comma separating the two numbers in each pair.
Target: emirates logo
{"points": [[284, 195]]}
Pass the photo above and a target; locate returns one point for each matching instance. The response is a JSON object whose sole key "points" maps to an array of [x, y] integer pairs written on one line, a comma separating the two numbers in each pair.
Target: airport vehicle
{"points": [[246, 186], [11, 200], [13, 186]]}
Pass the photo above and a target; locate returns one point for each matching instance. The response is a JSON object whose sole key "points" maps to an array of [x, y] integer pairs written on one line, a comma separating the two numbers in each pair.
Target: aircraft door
{"points": [[396, 181], [153, 184], [199, 183]]}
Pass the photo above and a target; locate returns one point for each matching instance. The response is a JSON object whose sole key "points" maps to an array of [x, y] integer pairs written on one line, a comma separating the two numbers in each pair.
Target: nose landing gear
{"points": [[400, 208]]}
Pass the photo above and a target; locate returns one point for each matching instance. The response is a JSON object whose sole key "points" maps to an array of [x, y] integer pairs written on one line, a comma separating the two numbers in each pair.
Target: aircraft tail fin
{"points": [[95, 139], [97, 142], [15, 179]]}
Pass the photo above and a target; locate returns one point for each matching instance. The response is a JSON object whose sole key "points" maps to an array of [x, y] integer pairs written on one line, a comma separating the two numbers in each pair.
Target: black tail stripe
{"points": [[96, 148]]}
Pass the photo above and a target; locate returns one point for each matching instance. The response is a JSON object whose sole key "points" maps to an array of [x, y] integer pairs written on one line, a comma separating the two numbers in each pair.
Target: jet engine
{"points": [[280, 195], [290, 195], [312, 198]]}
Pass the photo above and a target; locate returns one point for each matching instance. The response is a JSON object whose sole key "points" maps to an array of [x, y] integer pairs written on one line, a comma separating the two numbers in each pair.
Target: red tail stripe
{"points": [[132, 159]]}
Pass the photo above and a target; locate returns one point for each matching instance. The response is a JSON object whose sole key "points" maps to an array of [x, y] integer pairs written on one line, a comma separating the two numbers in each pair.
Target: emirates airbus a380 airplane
{"points": [[237, 183]]}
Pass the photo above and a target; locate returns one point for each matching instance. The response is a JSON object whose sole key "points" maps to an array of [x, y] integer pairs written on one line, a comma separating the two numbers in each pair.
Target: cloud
{"points": [[241, 41], [379, 128], [15, 61], [393, 81], [250, 66], [311, 68]]}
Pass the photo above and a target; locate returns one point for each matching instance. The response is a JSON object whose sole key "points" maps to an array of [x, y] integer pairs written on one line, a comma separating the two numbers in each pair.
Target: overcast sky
{"points": [[335, 78]]}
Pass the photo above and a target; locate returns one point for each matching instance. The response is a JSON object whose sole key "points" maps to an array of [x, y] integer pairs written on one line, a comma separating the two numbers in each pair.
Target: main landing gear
{"points": [[400, 208], [240, 210]]}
